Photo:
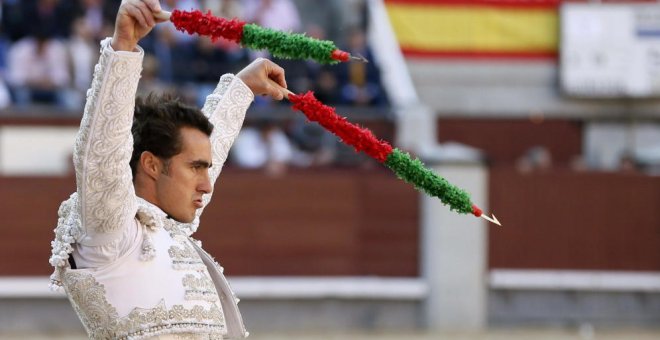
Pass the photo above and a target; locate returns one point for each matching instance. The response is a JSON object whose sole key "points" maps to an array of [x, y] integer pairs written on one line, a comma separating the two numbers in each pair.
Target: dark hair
{"points": [[157, 124]]}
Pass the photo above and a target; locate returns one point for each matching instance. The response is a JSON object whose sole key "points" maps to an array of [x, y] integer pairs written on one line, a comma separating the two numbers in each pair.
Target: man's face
{"points": [[185, 180]]}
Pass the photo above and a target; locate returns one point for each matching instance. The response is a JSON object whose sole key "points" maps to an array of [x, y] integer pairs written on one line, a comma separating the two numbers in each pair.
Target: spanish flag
{"points": [[476, 28]]}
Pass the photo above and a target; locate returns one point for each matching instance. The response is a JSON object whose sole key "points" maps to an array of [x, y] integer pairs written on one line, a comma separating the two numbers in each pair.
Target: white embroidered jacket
{"points": [[139, 274]]}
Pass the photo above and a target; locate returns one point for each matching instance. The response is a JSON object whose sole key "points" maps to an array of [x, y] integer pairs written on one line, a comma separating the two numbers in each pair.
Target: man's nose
{"points": [[205, 185]]}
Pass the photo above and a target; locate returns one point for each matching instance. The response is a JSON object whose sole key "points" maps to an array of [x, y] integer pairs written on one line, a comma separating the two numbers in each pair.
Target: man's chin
{"points": [[183, 220]]}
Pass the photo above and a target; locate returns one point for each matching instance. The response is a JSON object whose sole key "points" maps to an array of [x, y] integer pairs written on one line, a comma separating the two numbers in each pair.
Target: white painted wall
{"points": [[454, 254], [36, 151]]}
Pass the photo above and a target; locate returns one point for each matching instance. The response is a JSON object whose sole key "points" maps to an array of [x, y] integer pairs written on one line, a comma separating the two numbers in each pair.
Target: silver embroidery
{"points": [[225, 108], [172, 227], [104, 143], [106, 200], [152, 220], [148, 249], [100, 158], [141, 323], [185, 257], [101, 321], [67, 232], [200, 288], [88, 299], [189, 336], [149, 215]]}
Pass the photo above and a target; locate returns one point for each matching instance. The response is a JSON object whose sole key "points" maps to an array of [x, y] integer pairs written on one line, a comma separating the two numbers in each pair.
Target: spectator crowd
{"points": [[48, 49]]}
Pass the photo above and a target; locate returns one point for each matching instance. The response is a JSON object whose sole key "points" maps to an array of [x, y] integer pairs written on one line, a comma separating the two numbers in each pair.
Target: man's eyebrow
{"points": [[201, 163]]}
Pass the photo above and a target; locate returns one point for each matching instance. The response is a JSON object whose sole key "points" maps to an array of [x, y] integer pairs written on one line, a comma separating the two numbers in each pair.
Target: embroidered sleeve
{"points": [[103, 147], [225, 108]]}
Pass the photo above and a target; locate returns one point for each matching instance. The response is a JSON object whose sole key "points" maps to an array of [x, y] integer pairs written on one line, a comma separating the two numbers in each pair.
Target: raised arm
{"points": [[226, 108], [106, 198]]}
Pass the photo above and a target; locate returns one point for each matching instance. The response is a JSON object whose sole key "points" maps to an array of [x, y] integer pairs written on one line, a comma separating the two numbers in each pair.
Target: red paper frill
{"points": [[340, 55], [476, 211], [208, 25], [359, 138]]}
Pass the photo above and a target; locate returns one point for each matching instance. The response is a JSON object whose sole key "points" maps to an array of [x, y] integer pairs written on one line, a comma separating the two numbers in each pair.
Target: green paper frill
{"points": [[414, 172], [288, 45]]}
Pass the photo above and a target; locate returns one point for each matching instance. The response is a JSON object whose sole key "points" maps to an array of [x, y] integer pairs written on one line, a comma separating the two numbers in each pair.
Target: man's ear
{"points": [[150, 164]]}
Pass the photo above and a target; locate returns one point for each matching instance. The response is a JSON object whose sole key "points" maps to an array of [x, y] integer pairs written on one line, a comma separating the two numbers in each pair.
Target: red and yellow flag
{"points": [[476, 28]]}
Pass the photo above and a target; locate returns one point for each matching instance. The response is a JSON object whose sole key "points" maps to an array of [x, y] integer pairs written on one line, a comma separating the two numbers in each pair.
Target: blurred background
{"points": [[547, 112]]}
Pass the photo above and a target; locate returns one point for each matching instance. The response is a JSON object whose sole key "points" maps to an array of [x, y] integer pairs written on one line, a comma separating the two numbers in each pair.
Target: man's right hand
{"points": [[135, 19], [264, 77]]}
